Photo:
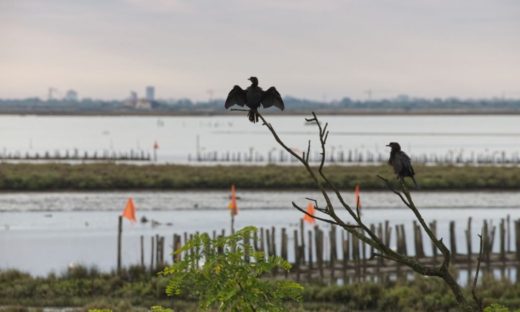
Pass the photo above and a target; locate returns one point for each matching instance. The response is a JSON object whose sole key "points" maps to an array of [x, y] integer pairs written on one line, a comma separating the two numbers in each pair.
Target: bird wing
{"points": [[271, 97], [236, 96], [396, 163], [407, 163]]}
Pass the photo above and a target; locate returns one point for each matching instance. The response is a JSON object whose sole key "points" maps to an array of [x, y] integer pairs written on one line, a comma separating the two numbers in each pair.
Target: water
{"points": [[182, 138], [44, 232]]}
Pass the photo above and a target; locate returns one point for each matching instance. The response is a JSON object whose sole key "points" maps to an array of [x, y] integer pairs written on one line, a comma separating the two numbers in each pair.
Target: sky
{"points": [[321, 50]]}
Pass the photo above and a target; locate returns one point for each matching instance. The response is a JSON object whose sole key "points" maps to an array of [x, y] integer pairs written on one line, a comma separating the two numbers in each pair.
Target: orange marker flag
{"points": [[358, 198], [310, 211], [129, 211], [233, 203]]}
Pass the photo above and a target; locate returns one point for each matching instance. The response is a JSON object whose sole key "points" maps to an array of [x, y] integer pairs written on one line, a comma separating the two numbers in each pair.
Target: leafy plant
{"points": [[228, 274]]}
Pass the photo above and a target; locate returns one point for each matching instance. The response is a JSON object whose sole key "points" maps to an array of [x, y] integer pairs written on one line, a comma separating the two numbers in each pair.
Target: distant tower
{"points": [[133, 96], [71, 96], [132, 99], [150, 93], [52, 92]]}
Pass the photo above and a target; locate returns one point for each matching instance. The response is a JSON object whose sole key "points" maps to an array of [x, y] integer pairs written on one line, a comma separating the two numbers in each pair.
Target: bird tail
{"points": [[253, 116]]}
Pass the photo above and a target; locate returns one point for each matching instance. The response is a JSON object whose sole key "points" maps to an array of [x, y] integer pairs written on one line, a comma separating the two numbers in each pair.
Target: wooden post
{"points": [[502, 242], [173, 248], [296, 253], [255, 240], [119, 241], [401, 239], [152, 249], [333, 252], [273, 243], [344, 243], [162, 251], [302, 240], [388, 233], [517, 241], [419, 249], [318, 235], [284, 239], [508, 231], [355, 257], [492, 241], [433, 227], [485, 239], [309, 264], [157, 250], [469, 243], [268, 243], [142, 251], [247, 243], [262, 244], [453, 241], [177, 245]]}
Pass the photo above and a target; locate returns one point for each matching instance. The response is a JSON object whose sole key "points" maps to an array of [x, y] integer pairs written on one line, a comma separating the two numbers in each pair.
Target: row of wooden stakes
{"points": [[340, 255]]}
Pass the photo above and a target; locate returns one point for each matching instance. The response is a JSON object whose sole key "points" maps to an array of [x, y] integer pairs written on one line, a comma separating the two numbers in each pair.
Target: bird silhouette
{"points": [[253, 97], [401, 163]]}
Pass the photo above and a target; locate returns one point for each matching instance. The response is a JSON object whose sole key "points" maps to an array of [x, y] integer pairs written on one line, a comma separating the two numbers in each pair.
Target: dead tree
{"points": [[359, 229]]}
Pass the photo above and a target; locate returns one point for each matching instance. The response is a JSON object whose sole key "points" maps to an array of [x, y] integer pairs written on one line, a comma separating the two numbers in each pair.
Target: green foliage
{"points": [[228, 274], [160, 309], [496, 308], [109, 176], [137, 290]]}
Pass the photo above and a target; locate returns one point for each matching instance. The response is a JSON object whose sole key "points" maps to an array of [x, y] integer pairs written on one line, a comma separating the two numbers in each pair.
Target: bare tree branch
{"points": [[313, 216], [391, 188], [361, 230]]}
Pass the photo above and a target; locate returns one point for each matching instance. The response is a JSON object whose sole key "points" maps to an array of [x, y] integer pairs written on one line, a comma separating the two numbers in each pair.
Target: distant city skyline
{"points": [[199, 49]]}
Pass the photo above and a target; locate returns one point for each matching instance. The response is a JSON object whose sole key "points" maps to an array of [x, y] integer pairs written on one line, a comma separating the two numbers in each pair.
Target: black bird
{"points": [[252, 97], [401, 163]]}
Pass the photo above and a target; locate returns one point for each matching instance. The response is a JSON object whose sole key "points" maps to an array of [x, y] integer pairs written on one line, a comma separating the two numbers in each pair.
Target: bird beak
{"points": [[249, 79], [388, 145]]}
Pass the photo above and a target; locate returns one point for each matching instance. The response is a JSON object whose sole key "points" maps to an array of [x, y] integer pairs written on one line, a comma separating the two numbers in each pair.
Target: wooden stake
{"points": [[119, 237], [142, 251], [453, 241]]}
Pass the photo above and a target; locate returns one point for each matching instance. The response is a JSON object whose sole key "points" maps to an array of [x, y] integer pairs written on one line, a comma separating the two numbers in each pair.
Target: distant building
{"points": [[132, 99], [71, 96], [143, 104], [150, 93]]}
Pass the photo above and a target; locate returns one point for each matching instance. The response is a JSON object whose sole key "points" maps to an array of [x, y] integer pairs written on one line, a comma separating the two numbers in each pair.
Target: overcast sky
{"points": [[309, 49]]}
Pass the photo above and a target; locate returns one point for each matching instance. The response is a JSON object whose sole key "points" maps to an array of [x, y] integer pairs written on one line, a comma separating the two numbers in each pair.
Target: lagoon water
{"points": [[181, 138], [44, 232]]}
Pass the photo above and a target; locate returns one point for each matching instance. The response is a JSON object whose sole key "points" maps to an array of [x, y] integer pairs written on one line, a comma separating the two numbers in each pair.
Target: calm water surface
{"points": [[181, 138], [44, 232]]}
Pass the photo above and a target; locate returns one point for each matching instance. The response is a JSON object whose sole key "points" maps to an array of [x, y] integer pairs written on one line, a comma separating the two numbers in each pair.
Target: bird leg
{"points": [[253, 115]]}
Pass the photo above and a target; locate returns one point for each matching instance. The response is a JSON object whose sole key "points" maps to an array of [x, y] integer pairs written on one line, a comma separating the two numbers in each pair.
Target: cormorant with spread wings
{"points": [[253, 97]]}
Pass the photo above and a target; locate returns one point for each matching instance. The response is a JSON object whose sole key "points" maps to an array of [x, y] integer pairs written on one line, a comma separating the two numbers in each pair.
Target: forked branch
{"points": [[359, 229]]}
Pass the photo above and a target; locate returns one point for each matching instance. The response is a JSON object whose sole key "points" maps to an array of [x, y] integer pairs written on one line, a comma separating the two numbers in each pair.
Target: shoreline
{"points": [[23, 177], [143, 113]]}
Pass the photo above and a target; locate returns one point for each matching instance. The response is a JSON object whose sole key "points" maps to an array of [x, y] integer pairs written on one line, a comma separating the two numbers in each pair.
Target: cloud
{"points": [[162, 6]]}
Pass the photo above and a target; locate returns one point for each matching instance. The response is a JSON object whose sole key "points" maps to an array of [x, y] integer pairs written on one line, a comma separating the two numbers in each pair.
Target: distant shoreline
{"points": [[119, 177], [156, 113]]}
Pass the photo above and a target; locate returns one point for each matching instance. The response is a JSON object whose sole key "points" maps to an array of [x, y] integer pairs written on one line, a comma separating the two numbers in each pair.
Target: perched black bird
{"points": [[252, 97], [401, 162]]}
